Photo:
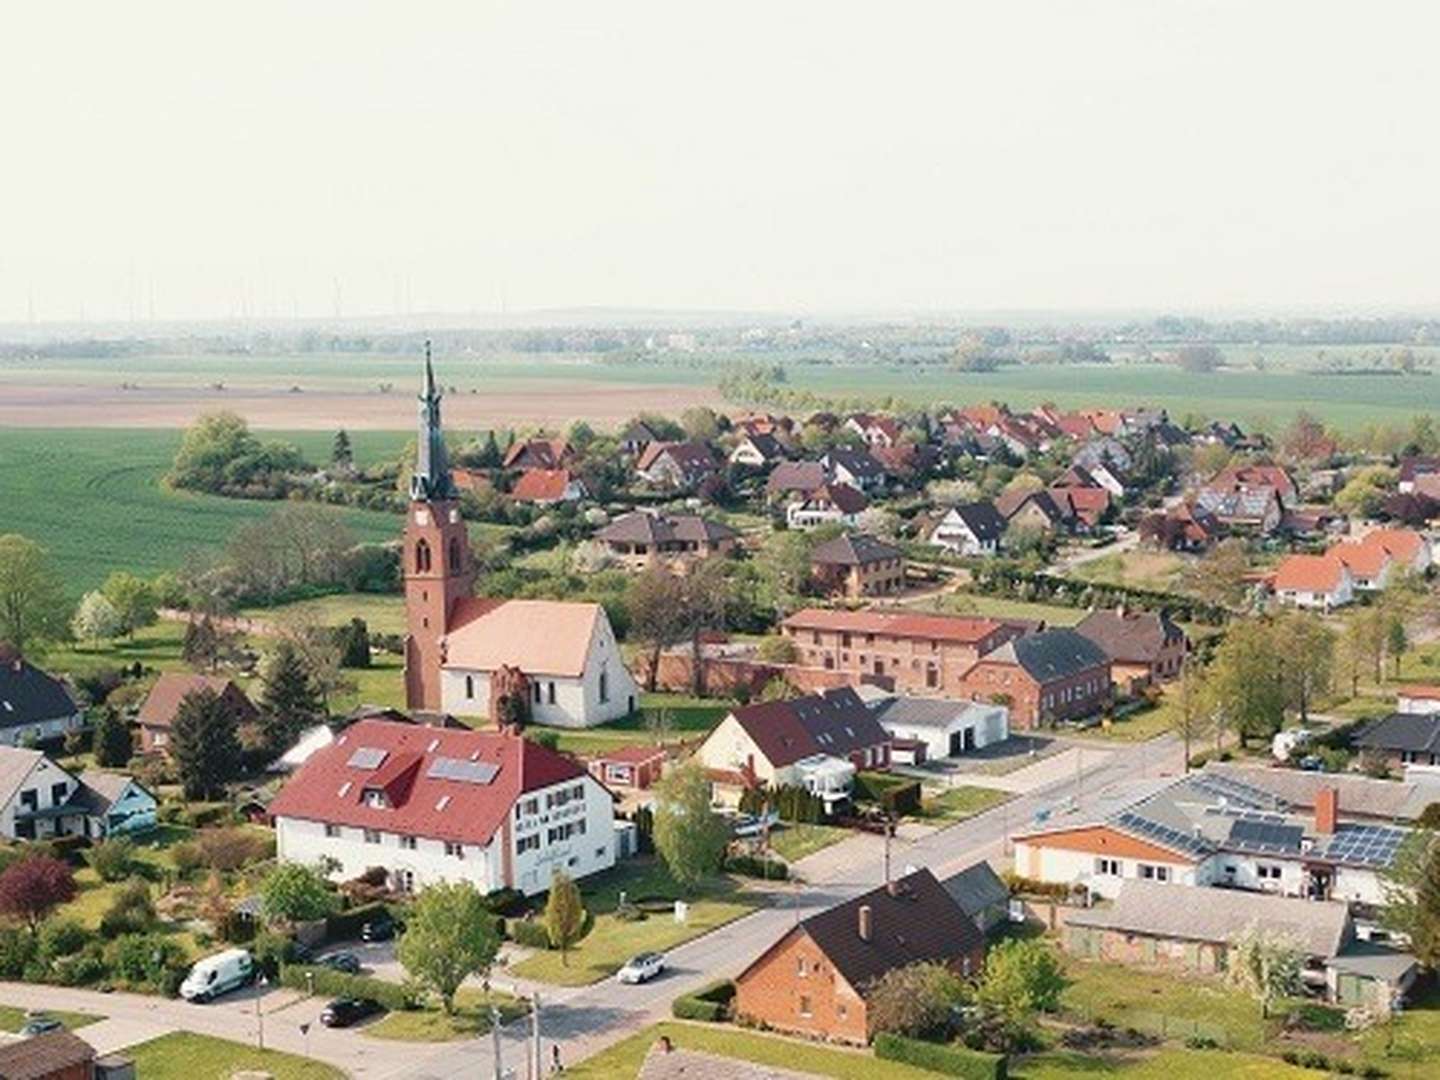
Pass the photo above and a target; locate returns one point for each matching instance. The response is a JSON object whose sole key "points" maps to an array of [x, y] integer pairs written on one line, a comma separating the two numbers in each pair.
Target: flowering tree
{"points": [[33, 887]]}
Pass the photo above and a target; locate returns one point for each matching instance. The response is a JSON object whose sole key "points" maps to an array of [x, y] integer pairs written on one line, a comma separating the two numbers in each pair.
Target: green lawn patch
{"points": [[183, 1055], [688, 715], [1142, 724], [1169, 1064], [793, 842], [612, 941], [13, 1018], [969, 603], [471, 1017], [959, 803], [384, 614]]}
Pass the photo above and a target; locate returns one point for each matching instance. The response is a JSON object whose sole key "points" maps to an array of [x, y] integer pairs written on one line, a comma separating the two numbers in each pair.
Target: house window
{"points": [[536, 694], [30, 799], [550, 694], [528, 843], [841, 1012], [455, 851], [372, 836], [470, 686], [422, 556], [604, 686], [800, 968], [332, 831], [805, 1005], [408, 843], [1107, 867], [1150, 872], [1267, 871], [58, 793]]}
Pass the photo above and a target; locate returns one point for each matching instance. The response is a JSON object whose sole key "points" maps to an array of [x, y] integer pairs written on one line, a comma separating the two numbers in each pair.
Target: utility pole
{"points": [[495, 1036], [535, 1035], [889, 832]]}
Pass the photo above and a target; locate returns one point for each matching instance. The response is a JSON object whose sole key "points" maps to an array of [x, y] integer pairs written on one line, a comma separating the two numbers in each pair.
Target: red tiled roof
{"points": [[630, 755], [1425, 693], [541, 485], [327, 788], [1364, 560], [1402, 544], [963, 629], [1309, 573]]}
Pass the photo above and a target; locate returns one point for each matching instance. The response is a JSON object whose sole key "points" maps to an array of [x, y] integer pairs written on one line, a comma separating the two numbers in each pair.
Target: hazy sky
{"points": [[774, 155]]}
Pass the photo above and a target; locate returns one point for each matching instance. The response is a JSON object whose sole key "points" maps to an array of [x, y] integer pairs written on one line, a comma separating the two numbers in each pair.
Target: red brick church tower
{"points": [[437, 566]]}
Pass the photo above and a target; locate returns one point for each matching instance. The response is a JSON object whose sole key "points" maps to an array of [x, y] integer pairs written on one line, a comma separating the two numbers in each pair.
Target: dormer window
{"points": [[375, 797]]}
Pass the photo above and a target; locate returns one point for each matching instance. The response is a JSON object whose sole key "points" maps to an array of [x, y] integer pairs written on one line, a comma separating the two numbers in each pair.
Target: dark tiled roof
{"points": [[836, 722], [1136, 636], [857, 462], [164, 699], [1051, 654], [41, 1056], [982, 519], [916, 921], [804, 476], [642, 528], [1010, 503], [854, 549], [29, 696], [767, 444], [1403, 731]]}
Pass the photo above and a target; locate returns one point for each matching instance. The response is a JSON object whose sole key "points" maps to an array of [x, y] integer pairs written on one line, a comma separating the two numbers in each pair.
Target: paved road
{"points": [[586, 1019]]}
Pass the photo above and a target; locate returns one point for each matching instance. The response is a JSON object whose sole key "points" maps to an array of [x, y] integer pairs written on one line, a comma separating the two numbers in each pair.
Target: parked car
{"points": [[642, 968], [218, 974], [347, 962], [380, 928], [39, 1024], [342, 1012], [747, 825]]}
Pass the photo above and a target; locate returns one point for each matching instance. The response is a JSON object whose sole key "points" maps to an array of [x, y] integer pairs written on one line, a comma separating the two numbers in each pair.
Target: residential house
{"points": [[757, 451], [910, 651], [1031, 509], [971, 529], [1369, 564], [980, 894], [1099, 475], [59, 1055], [877, 431], [1403, 739], [1239, 477], [40, 798], [1044, 678], [638, 767], [765, 424], [1105, 450], [562, 655], [545, 453], [1313, 581], [636, 436], [815, 979], [158, 711], [1414, 467], [1185, 528], [832, 504], [642, 539], [858, 468], [857, 565], [1417, 699], [679, 466], [1082, 508], [34, 706], [795, 478], [932, 729], [545, 487], [905, 462], [1144, 647], [1254, 509], [1408, 549], [491, 808], [818, 742]]}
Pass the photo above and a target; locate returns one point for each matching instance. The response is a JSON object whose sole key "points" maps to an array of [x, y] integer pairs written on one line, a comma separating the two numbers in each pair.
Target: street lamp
{"points": [[259, 1015]]}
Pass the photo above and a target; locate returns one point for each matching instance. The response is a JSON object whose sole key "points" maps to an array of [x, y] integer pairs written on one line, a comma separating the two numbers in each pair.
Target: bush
{"points": [[67, 849], [330, 983], [272, 952], [151, 960], [84, 968], [1311, 1016], [507, 902], [345, 925], [529, 932], [230, 849], [62, 937], [896, 794], [131, 912], [18, 948], [187, 857], [111, 858], [753, 866], [712, 1004], [937, 1057]]}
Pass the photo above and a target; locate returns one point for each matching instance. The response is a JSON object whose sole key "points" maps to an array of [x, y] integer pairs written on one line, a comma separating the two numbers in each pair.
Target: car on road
{"points": [[380, 928], [347, 962], [39, 1024], [218, 974], [642, 968], [342, 1012]]}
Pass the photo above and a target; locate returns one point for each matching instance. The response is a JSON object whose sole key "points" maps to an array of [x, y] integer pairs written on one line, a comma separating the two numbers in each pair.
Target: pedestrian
{"points": [[555, 1066]]}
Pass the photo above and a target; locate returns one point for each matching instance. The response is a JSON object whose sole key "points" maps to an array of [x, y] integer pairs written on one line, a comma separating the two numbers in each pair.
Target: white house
{"points": [[567, 652], [430, 804], [943, 728], [34, 706], [1313, 581], [974, 529], [1418, 700], [40, 799], [833, 504]]}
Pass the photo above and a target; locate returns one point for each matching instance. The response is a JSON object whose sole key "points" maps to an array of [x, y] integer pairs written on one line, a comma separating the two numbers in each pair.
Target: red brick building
{"points": [[815, 979], [1043, 678], [918, 652], [856, 565]]}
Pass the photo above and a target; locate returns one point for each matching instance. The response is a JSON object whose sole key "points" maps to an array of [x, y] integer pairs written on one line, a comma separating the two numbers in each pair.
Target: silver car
{"points": [[642, 968]]}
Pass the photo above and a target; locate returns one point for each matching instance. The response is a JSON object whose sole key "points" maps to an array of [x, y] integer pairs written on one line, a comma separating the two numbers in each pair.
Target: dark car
{"points": [[39, 1024], [380, 928], [342, 1012], [347, 962]]}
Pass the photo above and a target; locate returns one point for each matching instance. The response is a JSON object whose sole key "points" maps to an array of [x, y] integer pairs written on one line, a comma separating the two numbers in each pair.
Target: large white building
{"points": [[938, 727], [430, 805]]}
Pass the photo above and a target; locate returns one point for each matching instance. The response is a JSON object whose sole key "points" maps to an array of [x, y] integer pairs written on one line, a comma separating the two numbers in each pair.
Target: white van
{"points": [[218, 974]]}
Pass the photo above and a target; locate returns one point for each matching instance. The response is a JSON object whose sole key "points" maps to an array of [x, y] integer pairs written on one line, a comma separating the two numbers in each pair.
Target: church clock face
{"points": [[422, 517]]}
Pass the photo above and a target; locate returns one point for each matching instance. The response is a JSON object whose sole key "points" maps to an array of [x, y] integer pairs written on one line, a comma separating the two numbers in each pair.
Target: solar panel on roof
{"points": [[468, 772], [367, 757]]}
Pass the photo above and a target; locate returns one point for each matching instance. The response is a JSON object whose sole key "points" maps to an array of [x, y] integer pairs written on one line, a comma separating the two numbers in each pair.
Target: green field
{"points": [[94, 499]]}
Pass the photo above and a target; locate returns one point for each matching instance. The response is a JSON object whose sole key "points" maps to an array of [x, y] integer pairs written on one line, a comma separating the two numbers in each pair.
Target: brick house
{"points": [[815, 979], [157, 714], [858, 565], [916, 652], [539, 454], [1044, 677], [641, 539], [1144, 646], [679, 466], [1402, 739]]}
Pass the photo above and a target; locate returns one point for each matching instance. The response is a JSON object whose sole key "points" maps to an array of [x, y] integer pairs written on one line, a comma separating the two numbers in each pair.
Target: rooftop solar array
{"points": [[467, 772], [1162, 834], [1265, 816], [1265, 837], [1235, 791], [367, 757], [1364, 845]]}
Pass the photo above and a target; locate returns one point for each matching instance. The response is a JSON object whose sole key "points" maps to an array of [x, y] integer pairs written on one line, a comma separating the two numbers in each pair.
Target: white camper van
{"points": [[218, 974]]}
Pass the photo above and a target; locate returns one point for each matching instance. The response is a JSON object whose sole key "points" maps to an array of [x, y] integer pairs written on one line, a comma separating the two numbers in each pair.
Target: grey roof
{"points": [[768, 445], [30, 696], [640, 527], [795, 476], [854, 549], [1247, 502], [1218, 916], [937, 713], [99, 790], [982, 519], [1360, 796], [1374, 961], [1134, 636], [855, 462], [1051, 654], [976, 888], [1417, 732], [679, 1064]]}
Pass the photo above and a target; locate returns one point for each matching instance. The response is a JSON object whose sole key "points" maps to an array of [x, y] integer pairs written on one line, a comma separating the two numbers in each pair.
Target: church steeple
{"points": [[431, 480]]}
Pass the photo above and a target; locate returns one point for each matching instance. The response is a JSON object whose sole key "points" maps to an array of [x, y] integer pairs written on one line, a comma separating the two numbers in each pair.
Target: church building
{"points": [[473, 656]]}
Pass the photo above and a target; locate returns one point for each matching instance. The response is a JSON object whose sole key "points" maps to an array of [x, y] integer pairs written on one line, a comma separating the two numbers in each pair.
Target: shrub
{"points": [[272, 952], [712, 1003], [61, 937], [507, 902], [896, 794], [151, 960], [231, 848], [17, 950], [83, 968], [529, 932], [345, 925], [1311, 1016], [322, 980], [68, 849], [131, 912], [187, 857], [937, 1057], [753, 866], [111, 858]]}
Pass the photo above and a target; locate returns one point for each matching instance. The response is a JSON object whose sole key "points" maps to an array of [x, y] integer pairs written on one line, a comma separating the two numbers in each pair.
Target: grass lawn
{"points": [[1410, 1045], [382, 613], [1142, 569], [186, 1056], [470, 1018], [612, 941], [624, 1058], [1143, 723], [968, 603], [794, 842], [157, 646], [687, 715], [959, 803], [13, 1018], [1171, 1064]]}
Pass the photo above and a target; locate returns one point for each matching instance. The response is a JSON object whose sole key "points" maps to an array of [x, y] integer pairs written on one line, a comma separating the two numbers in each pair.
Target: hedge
{"points": [[940, 1058], [533, 934], [345, 925], [332, 983], [896, 794], [711, 1004], [753, 866]]}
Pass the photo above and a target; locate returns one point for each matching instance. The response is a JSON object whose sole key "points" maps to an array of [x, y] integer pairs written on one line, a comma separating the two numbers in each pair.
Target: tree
{"points": [[564, 914], [208, 641], [1218, 576], [1396, 642], [700, 423], [204, 743], [1192, 714], [342, 455], [1022, 978], [33, 608], [917, 1000], [785, 566], [95, 618], [705, 601], [1309, 667], [296, 893], [33, 886], [289, 703], [111, 741], [1198, 359], [1305, 439], [1265, 964], [319, 651], [111, 858], [133, 599], [656, 605], [1412, 894], [1366, 634], [689, 835], [352, 640], [1246, 679], [451, 935]]}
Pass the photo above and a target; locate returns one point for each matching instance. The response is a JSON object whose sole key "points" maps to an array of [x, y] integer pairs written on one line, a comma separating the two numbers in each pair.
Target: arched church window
{"points": [[455, 565], [422, 556]]}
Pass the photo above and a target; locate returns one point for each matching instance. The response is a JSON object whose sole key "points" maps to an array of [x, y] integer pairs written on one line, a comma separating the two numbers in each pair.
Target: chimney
{"points": [[864, 922], [1327, 810]]}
